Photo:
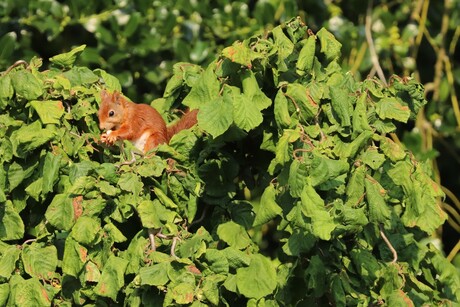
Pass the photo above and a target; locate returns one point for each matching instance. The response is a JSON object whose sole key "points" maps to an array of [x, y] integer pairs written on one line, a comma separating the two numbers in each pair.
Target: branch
{"points": [[370, 42]]}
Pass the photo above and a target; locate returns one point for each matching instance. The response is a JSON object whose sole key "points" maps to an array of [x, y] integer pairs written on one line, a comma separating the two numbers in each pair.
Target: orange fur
{"points": [[139, 123]]}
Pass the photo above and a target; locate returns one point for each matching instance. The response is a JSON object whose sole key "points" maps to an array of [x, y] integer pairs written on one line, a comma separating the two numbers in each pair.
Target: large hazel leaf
{"points": [[26, 84], [257, 280], [11, 224], [313, 206], [67, 59], [379, 212], [75, 257], [155, 275], [234, 235], [28, 292], [217, 115], [330, 46], [392, 108], [268, 208], [306, 56], [50, 111], [112, 277], [29, 137], [86, 230], [40, 260], [10, 255], [204, 91], [252, 90], [61, 212]]}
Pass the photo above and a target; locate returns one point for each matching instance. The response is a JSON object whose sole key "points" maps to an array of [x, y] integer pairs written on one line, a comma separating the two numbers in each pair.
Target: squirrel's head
{"points": [[111, 110]]}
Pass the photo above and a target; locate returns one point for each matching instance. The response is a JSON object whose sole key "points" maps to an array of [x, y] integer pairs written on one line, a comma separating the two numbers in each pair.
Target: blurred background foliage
{"points": [[139, 41]]}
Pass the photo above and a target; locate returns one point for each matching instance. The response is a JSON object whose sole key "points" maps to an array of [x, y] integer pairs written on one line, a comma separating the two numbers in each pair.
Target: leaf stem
{"points": [[388, 243]]}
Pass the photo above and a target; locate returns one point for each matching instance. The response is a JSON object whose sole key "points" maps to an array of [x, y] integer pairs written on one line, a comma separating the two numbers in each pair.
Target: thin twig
{"points": [[17, 63], [370, 42], [454, 251], [388, 243]]}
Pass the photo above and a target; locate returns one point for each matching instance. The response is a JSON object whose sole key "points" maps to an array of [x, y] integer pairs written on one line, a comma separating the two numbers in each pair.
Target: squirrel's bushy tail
{"points": [[186, 122]]}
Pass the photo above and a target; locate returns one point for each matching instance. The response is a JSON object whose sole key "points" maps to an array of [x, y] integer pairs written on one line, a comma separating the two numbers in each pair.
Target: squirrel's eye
{"points": [[111, 113]]}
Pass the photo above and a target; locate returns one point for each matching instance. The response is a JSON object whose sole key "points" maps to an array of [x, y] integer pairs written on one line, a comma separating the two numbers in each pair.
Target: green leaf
{"points": [[373, 158], [204, 91], [28, 293], [67, 59], [298, 172], [253, 91], [299, 242], [281, 110], [284, 47], [323, 169], [329, 44], [86, 230], [315, 276], [11, 224], [217, 261], [379, 212], [268, 209], [49, 111], [60, 213], [245, 112], [240, 53], [80, 76], [50, 172], [4, 293], [392, 150], [366, 265], [112, 278], [304, 104], [155, 275], [234, 235], [10, 255], [359, 119], [236, 258], [392, 108], [130, 182], [26, 84], [74, 258], [29, 137], [183, 293], [153, 214], [40, 260], [216, 116], [306, 56], [313, 206], [341, 104], [257, 280]]}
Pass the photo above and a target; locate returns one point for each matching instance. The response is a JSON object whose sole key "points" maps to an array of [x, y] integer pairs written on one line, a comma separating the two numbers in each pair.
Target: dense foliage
{"points": [[289, 191]]}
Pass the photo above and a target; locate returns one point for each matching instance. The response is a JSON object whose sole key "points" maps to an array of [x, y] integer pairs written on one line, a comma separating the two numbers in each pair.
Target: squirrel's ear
{"points": [[104, 94], [116, 97]]}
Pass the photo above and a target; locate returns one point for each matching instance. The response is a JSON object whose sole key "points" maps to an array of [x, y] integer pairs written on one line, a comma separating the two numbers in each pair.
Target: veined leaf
{"points": [[252, 90], [216, 116], [28, 292], [204, 91], [313, 206], [12, 225], [29, 137], [234, 235], [67, 59], [330, 46], [112, 277], [392, 108], [379, 212], [39, 260], [268, 208], [257, 280], [50, 112], [26, 84], [246, 114], [306, 56]]}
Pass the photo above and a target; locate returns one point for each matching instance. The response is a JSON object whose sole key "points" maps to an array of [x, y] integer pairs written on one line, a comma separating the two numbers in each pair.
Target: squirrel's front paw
{"points": [[108, 137]]}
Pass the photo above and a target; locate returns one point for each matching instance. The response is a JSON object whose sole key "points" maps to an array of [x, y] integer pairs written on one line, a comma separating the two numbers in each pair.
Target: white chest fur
{"points": [[140, 142]]}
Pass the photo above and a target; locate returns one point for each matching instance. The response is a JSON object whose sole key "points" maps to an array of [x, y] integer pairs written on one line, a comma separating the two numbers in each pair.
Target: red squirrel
{"points": [[141, 124]]}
